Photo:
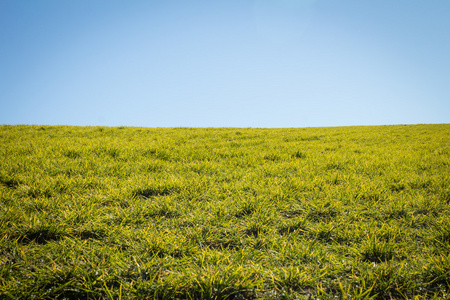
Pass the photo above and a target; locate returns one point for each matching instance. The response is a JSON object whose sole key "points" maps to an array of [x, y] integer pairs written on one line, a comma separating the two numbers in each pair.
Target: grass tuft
{"points": [[377, 251]]}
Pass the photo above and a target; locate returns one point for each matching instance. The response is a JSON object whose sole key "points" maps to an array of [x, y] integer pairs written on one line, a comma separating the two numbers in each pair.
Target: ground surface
{"points": [[123, 213]]}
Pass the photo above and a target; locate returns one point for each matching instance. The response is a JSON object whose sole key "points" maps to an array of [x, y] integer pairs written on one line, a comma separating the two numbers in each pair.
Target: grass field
{"points": [[164, 213]]}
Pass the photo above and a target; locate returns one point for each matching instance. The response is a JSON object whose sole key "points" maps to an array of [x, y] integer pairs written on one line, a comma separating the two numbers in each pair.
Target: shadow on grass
{"points": [[9, 182], [159, 190], [41, 235]]}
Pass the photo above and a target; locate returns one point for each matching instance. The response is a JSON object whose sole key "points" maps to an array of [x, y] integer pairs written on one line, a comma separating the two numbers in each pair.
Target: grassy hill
{"points": [[213, 213]]}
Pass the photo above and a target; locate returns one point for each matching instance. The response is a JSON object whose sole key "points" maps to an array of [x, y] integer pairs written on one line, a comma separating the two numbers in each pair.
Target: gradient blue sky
{"points": [[230, 63]]}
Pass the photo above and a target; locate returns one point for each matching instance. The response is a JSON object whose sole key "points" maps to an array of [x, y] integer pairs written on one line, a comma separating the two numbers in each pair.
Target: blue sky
{"points": [[233, 63]]}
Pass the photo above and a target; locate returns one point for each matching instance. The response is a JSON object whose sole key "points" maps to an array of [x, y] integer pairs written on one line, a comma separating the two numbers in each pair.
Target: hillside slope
{"points": [[206, 213]]}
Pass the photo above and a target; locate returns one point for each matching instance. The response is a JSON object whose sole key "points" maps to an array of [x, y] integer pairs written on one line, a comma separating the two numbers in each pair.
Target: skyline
{"points": [[305, 63]]}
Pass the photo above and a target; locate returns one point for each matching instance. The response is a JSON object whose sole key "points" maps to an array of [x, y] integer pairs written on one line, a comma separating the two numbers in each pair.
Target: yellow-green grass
{"points": [[215, 213]]}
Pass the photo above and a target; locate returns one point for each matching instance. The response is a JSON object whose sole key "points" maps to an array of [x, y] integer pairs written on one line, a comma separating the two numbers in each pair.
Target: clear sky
{"points": [[224, 63]]}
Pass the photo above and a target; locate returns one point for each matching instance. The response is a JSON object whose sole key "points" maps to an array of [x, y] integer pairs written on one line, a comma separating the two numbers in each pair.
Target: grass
{"points": [[223, 213]]}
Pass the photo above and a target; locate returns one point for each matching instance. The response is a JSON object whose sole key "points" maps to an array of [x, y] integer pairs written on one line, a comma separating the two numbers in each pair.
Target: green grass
{"points": [[134, 213]]}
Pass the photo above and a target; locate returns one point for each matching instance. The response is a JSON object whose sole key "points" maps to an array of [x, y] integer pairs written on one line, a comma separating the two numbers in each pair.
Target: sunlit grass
{"points": [[123, 213]]}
